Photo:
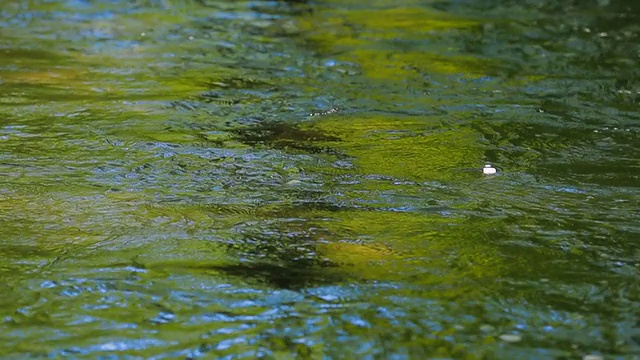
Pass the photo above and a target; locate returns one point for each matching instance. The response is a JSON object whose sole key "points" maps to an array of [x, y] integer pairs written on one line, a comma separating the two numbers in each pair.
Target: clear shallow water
{"points": [[285, 179]]}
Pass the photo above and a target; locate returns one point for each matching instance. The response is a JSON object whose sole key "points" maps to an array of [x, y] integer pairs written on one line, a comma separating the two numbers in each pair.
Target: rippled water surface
{"points": [[293, 179]]}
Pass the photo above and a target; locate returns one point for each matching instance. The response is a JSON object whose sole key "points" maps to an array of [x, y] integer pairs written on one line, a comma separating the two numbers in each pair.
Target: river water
{"points": [[293, 179]]}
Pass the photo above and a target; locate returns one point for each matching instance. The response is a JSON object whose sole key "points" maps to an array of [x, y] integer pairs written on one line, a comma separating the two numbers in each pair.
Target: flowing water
{"points": [[303, 179]]}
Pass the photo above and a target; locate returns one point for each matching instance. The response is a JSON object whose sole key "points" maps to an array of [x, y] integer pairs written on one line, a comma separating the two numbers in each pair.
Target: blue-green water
{"points": [[271, 179]]}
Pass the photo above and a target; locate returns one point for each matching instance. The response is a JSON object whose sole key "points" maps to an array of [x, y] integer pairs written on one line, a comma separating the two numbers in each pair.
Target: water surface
{"points": [[291, 179]]}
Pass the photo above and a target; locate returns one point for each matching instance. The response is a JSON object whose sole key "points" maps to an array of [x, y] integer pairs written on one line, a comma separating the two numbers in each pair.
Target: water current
{"points": [[304, 179]]}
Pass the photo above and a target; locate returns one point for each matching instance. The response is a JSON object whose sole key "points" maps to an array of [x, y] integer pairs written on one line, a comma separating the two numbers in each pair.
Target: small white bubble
{"points": [[489, 170], [511, 338], [593, 357]]}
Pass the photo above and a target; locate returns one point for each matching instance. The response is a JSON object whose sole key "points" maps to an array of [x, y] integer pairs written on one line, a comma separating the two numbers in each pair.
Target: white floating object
{"points": [[593, 357], [489, 170], [511, 338]]}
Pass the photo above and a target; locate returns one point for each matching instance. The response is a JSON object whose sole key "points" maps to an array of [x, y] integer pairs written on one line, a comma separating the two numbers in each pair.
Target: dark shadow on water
{"points": [[289, 277], [280, 135]]}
